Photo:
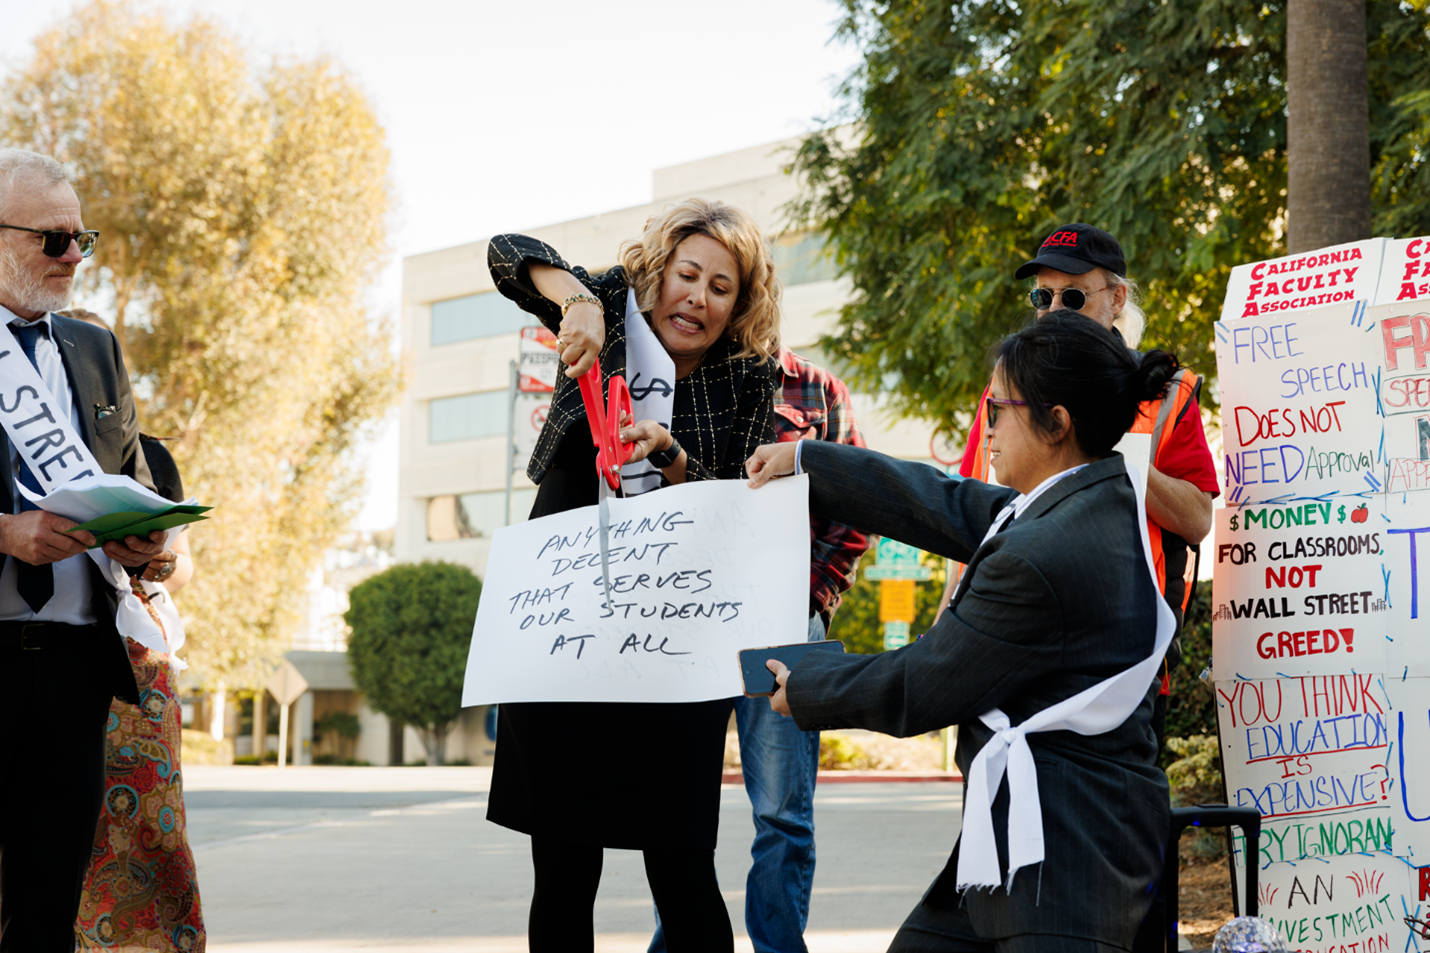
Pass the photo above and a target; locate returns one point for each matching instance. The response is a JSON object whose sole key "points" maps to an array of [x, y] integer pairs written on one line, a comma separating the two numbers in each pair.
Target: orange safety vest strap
{"points": [[1182, 390]]}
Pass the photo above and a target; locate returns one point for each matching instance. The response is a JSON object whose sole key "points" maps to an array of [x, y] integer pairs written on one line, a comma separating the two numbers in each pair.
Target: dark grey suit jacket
{"points": [[1056, 602], [109, 426]]}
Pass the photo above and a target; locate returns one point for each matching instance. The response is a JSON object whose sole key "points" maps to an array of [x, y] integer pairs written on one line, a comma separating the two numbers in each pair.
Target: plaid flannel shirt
{"points": [[814, 404]]}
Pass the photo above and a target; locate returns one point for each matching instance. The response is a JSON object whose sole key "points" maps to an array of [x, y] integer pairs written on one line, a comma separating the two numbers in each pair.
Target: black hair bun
{"points": [[1154, 374]]}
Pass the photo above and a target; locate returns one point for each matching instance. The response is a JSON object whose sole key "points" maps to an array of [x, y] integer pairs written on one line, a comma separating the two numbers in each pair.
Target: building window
{"points": [[467, 417], [473, 515], [801, 258], [476, 316]]}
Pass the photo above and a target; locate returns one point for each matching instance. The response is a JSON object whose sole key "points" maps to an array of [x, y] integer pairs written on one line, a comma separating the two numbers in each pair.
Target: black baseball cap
{"points": [[1077, 249]]}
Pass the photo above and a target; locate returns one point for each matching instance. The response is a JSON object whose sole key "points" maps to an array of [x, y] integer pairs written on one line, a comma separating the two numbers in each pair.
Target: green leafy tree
{"points": [[972, 129], [242, 212], [411, 630]]}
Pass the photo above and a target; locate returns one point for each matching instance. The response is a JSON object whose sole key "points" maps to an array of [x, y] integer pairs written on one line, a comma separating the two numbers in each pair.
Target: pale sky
{"points": [[504, 116]]}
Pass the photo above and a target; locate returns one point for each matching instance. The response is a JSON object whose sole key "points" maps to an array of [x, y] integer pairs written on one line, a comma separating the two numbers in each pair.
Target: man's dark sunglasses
{"points": [[57, 242], [1073, 298]]}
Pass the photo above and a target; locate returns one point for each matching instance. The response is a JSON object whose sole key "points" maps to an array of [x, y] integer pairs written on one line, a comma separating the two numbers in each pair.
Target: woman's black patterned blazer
{"points": [[723, 409]]}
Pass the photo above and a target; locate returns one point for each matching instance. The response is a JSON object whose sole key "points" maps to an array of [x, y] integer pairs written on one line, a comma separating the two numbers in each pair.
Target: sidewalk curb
{"points": [[857, 777]]}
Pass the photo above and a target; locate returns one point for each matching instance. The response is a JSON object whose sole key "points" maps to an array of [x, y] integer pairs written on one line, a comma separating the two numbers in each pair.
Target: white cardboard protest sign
{"points": [[1344, 904], [698, 572], [1298, 590], [1299, 404], [1298, 282], [1320, 644], [1402, 349], [1310, 754], [1405, 270], [1409, 726]]}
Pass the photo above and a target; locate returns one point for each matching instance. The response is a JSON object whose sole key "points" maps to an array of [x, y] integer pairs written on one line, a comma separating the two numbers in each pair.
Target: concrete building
{"points": [[459, 336]]}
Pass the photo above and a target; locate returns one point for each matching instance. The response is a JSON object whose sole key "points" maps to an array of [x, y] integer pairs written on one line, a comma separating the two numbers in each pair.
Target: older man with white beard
{"points": [[61, 656]]}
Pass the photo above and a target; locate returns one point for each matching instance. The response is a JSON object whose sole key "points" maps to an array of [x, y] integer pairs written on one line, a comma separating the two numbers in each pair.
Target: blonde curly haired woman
{"points": [[689, 315]]}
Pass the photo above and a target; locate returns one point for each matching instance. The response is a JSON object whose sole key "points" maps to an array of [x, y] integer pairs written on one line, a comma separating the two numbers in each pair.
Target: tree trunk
{"points": [[435, 741], [1327, 124]]}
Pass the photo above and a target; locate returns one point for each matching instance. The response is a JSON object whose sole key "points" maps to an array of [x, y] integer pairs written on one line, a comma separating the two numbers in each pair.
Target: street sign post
{"points": [[896, 568], [888, 573], [896, 635], [533, 381], [896, 600], [539, 361], [286, 686]]}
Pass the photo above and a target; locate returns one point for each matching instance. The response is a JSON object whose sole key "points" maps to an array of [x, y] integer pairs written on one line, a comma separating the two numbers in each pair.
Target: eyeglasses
{"points": [[993, 403], [1073, 298], [57, 242]]}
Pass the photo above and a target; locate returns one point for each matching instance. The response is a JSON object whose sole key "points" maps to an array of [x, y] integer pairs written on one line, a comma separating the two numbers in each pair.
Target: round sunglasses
{"points": [[1073, 298], [56, 242]]}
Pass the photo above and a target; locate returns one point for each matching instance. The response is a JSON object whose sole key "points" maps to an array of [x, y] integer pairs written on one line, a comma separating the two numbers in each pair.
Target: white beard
{"points": [[27, 289]]}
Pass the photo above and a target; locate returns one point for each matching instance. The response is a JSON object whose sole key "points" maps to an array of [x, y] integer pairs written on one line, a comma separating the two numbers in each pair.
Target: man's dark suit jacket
{"points": [[1058, 601], [109, 426]]}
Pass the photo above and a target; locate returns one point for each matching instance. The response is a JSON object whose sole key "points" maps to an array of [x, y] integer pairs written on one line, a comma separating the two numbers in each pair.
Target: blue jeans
{"points": [[779, 763]]}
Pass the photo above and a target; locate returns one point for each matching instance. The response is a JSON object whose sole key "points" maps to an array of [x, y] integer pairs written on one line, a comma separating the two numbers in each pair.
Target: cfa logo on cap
{"points": [[1064, 239]]}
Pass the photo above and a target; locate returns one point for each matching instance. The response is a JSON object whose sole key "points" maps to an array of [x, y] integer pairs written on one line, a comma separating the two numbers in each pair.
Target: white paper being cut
{"points": [[698, 572]]}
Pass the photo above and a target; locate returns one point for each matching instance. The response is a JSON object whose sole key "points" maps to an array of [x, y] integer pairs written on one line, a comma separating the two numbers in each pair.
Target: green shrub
{"points": [[838, 753], [341, 723], [411, 630], [1196, 774]]}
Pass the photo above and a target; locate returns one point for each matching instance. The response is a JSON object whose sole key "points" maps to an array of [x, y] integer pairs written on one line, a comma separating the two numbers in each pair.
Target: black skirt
{"points": [[634, 776]]}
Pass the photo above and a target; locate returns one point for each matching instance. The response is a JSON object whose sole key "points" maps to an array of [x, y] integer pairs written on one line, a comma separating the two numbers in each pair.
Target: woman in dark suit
{"points": [[703, 281], [1058, 599]]}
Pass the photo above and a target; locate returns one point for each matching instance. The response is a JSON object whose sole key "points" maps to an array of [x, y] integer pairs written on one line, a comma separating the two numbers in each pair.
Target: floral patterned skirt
{"points": [[140, 892]]}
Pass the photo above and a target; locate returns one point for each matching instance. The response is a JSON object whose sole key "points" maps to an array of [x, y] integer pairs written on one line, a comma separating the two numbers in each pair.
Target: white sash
{"points": [[40, 431], [650, 372], [163, 605], [1093, 711]]}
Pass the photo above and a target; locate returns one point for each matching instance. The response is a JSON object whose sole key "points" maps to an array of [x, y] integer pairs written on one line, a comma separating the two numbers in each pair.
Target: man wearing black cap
{"points": [[1088, 263], [1081, 268]]}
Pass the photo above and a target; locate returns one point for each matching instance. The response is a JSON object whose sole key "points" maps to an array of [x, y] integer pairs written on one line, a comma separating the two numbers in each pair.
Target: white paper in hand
{"points": [[89, 497]]}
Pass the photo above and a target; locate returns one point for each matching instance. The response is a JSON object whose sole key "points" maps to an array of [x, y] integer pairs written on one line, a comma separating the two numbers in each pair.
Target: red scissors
{"points": [[606, 423]]}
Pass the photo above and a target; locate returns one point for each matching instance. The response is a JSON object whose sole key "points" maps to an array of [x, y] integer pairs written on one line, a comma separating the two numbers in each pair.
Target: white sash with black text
{"points": [[40, 431]]}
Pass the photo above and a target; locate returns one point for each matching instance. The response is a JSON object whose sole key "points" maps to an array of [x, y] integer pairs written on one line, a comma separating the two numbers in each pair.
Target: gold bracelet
{"points": [[573, 299]]}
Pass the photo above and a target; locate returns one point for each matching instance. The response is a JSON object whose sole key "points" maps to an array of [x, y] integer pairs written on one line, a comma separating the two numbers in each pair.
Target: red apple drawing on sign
{"points": [[1360, 514]]}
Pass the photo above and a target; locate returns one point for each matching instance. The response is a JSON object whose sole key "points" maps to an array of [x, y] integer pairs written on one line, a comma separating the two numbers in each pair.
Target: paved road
{"points": [[311, 860]]}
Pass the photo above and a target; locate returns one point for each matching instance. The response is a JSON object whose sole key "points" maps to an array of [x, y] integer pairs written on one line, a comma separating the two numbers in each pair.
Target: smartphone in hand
{"points": [[759, 680]]}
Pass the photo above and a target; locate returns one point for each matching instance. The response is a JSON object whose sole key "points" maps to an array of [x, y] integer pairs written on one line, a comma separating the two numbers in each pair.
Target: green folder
{"points": [[116, 526]]}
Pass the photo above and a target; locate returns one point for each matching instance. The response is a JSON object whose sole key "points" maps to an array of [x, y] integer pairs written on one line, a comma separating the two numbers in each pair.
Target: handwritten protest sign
{"points": [[1298, 590], [698, 572], [1320, 647], [1310, 755], [1299, 282], [1299, 394], [1409, 726], [1405, 271], [1344, 904]]}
